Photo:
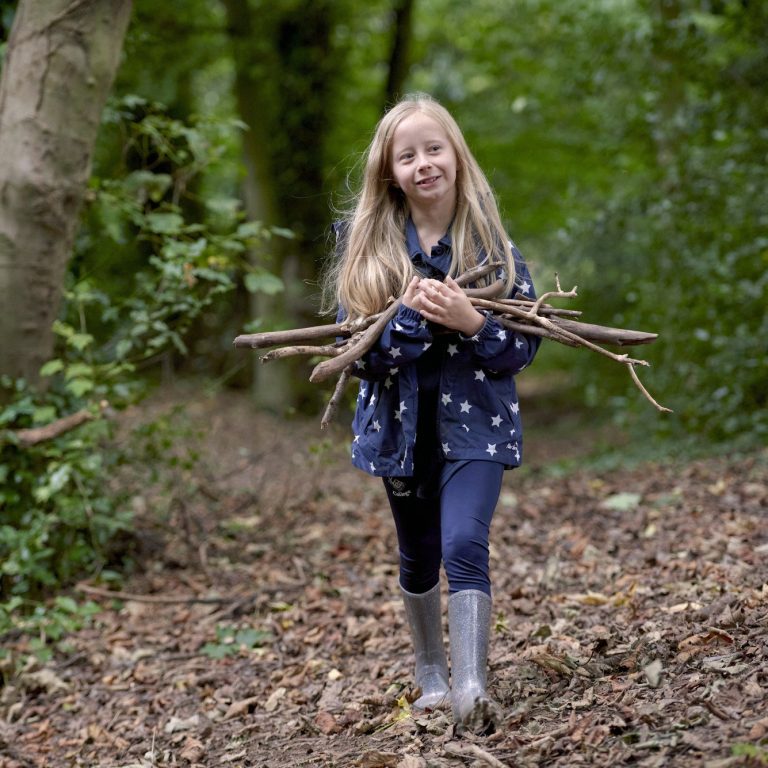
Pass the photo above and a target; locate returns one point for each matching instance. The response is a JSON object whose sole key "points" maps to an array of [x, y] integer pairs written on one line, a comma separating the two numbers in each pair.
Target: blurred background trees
{"points": [[626, 140]]}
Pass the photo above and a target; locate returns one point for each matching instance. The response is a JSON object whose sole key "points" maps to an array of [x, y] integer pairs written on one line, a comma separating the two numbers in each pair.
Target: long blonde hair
{"points": [[372, 264]]}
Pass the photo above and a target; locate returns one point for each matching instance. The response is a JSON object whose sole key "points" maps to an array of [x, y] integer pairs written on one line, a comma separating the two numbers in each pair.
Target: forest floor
{"points": [[262, 625]]}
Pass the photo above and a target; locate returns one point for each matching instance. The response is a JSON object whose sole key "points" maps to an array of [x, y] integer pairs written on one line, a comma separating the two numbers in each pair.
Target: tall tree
{"points": [[286, 70], [61, 59]]}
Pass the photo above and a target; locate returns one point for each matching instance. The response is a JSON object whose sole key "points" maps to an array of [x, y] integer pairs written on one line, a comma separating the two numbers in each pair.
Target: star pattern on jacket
{"points": [[476, 399]]}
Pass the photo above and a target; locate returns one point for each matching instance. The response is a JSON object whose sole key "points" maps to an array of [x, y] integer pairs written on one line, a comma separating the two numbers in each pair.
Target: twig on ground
{"points": [[469, 750]]}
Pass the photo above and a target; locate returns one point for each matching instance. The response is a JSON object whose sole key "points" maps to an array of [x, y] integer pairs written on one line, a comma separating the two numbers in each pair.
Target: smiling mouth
{"points": [[427, 181]]}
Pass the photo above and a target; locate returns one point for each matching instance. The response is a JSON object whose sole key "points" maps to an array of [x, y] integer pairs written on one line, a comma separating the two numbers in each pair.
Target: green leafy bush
{"points": [[60, 503]]}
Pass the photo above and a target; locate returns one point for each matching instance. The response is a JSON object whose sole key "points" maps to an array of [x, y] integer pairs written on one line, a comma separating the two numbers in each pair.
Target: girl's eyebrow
{"points": [[398, 150]]}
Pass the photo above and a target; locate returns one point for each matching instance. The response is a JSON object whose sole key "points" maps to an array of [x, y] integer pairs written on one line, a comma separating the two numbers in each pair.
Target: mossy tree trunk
{"points": [[60, 62]]}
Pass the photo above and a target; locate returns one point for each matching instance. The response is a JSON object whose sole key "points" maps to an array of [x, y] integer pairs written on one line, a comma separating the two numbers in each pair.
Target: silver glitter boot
{"points": [[469, 620], [425, 620]]}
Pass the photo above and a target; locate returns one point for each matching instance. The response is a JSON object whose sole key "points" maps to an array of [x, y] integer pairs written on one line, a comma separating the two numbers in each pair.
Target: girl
{"points": [[437, 414]]}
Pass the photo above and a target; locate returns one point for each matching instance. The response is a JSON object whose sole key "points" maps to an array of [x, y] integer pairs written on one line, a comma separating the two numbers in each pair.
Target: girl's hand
{"points": [[410, 297], [447, 304]]}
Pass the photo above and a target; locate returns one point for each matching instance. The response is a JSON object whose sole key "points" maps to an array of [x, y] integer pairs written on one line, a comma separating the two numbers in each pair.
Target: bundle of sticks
{"points": [[531, 316]]}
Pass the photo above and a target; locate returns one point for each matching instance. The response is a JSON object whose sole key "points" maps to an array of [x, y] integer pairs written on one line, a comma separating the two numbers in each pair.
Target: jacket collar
{"points": [[438, 262]]}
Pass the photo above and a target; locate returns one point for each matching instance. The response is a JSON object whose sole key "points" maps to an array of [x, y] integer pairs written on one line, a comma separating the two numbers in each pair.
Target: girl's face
{"points": [[424, 162]]}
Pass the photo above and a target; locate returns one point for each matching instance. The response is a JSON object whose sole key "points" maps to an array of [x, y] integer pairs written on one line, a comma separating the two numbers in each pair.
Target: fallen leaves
{"points": [[630, 627]]}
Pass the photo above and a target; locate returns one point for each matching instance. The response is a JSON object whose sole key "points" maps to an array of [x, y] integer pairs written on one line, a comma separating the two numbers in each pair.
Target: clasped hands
{"points": [[443, 303]]}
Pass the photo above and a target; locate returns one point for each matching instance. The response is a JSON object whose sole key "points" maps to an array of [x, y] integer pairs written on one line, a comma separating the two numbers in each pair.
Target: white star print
{"points": [[360, 364], [465, 406], [525, 287], [392, 371], [515, 407], [423, 324], [512, 432], [466, 428], [480, 375], [387, 382], [427, 345], [518, 343], [496, 421], [446, 398], [395, 352], [452, 349], [399, 413], [376, 425], [363, 392], [446, 448], [357, 439], [502, 334], [373, 467], [373, 399], [398, 327], [491, 449]]}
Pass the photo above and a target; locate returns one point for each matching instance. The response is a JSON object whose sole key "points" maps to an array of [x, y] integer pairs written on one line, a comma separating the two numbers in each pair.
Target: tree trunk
{"points": [[255, 98], [399, 57], [285, 72], [60, 62]]}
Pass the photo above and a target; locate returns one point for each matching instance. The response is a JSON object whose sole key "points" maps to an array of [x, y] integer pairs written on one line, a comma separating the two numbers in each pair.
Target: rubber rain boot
{"points": [[469, 621], [425, 621]]}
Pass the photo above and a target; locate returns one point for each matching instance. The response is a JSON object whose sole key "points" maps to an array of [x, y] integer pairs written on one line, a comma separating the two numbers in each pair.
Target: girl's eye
{"points": [[435, 148]]}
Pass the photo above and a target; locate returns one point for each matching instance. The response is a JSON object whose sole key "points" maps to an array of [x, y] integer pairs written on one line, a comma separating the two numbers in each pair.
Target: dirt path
{"points": [[631, 620]]}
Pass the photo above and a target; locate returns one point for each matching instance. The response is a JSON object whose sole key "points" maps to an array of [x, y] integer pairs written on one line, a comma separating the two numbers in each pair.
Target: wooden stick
{"points": [[333, 403], [35, 435], [327, 350], [298, 335]]}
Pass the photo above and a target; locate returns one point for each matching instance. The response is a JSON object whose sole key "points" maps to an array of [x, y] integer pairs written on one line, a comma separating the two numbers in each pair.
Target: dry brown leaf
{"points": [[376, 759], [238, 708], [193, 750], [327, 723]]}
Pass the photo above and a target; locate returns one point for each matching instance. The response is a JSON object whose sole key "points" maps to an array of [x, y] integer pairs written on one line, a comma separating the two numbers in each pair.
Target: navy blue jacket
{"points": [[478, 411]]}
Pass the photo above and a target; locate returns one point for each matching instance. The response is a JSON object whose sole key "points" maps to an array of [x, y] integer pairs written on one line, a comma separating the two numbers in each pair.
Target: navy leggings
{"points": [[452, 527]]}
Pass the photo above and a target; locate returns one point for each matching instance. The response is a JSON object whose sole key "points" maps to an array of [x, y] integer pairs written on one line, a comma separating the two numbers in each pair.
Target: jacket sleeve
{"points": [[404, 338], [498, 348]]}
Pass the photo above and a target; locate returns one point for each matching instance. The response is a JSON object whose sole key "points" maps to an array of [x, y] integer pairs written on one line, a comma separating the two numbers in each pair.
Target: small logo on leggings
{"points": [[398, 487]]}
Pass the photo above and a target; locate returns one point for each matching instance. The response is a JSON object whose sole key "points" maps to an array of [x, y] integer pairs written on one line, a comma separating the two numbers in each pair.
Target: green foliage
{"points": [[687, 255], [759, 754], [61, 505], [230, 641]]}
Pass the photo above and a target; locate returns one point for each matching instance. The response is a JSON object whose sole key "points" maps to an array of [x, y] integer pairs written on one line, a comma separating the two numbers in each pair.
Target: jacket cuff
{"points": [[488, 330], [407, 313]]}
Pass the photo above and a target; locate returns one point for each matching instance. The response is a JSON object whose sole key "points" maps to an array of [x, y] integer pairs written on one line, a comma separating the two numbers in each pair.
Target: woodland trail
{"points": [[631, 620]]}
